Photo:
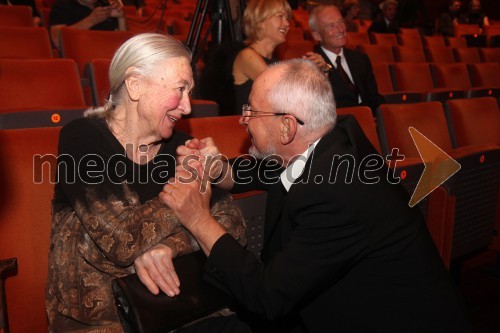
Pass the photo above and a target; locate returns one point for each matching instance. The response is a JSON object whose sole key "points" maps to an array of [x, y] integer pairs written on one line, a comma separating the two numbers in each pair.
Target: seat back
{"points": [[24, 43], [384, 39], [410, 40], [364, 117], [25, 220], [383, 78], [485, 74], [19, 16], [409, 54], [295, 34], [451, 76], [412, 77], [357, 38], [395, 119], [85, 45], [293, 49], [97, 71], [474, 121], [39, 84], [468, 55], [378, 53], [434, 41], [440, 55], [466, 29], [490, 54], [456, 42]]}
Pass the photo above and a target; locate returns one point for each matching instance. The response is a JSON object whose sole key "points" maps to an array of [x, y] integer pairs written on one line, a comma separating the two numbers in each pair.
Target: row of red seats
{"points": [[413, 82], [388, 53]]}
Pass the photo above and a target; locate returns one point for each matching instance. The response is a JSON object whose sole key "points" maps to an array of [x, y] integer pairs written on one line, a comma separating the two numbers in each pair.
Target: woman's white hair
{"points": [[142, 53]]}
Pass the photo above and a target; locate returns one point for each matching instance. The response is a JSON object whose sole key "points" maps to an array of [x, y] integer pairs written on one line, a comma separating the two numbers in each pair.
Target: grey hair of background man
{"points": [[313, 16], [142, 53], [303, 91]]}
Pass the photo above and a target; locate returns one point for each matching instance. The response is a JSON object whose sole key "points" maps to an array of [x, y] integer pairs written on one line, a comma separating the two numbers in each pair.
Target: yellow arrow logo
{"points": [[439, 166]]}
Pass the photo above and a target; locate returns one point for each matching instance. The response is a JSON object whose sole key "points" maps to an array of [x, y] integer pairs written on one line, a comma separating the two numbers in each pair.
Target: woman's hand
{"points": [[116, 8], [156, 270], [318, 61], [201, 155], [99, 14]]}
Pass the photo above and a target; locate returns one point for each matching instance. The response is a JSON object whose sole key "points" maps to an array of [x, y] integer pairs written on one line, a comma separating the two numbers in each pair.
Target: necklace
{"points": [[143, 148]]}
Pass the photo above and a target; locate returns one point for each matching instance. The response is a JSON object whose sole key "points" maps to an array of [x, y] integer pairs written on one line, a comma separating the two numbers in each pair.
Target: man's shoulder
{"points": [[354, 54]]}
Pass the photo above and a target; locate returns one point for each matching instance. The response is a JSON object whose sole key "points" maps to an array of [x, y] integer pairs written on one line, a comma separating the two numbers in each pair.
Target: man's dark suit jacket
{"points": [[379, 26], [344, 257], [364, 80]]}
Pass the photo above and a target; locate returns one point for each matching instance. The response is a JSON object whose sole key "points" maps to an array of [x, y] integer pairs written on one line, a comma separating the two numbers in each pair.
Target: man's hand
{"points": [[189, 199], [156, 270]]}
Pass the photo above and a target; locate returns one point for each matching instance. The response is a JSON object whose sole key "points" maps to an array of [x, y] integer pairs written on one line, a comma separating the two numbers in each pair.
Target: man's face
{"points": [[331, 29], [390, 11], [455, 6], [263, 130]]}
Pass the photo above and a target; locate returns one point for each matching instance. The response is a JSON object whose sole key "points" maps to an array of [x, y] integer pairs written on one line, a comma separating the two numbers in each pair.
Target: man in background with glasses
{"points": [[340, 254]]}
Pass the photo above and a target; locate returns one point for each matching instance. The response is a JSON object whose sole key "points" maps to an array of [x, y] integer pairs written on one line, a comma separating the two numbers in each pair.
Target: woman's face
{"points": [[164, 97], [354, 11], [276, 27]]}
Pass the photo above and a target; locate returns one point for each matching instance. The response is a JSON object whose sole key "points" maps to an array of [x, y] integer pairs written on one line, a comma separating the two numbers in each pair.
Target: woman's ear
{"points": [[132, 82]]}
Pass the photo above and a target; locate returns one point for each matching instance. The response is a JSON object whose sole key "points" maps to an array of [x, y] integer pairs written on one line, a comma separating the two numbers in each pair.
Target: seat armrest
{"points": [[6, 265]]}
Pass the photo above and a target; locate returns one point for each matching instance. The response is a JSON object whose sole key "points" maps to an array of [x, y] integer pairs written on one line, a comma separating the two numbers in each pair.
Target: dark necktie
{"points": [[344, 76]]}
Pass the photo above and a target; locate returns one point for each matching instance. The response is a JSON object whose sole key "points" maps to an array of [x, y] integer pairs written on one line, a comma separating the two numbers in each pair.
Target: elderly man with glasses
{"points": [[342, 252]]}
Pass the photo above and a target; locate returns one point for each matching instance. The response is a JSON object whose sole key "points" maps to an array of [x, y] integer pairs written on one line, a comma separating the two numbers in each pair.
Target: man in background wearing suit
{"points": [[353, 82], [385, 22], [342, 253]]}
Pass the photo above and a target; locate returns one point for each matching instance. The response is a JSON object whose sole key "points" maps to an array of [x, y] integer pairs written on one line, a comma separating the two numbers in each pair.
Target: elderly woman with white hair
{"points": [[107, 218]]}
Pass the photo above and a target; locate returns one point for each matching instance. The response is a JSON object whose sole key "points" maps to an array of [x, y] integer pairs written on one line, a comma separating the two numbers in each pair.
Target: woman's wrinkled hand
{"points": [[156, 270], [201, 156]]}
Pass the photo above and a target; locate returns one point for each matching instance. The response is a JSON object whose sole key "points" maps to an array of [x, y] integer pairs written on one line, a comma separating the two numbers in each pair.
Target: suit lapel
{"points": [[274, 208]]}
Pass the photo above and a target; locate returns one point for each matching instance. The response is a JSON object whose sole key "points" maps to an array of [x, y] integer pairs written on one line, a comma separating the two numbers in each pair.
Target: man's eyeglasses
{"points": [[248, 112]]}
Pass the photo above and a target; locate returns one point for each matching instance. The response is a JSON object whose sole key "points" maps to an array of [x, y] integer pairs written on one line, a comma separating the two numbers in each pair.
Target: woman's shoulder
{"points": [[248, 55], [89, 128], [85, 124]]}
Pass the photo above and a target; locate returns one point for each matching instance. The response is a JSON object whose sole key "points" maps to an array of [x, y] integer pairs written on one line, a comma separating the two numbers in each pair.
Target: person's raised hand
{"points": [[116, 8], [202, 155], [318, 60], [188, 198], [99, 14]]}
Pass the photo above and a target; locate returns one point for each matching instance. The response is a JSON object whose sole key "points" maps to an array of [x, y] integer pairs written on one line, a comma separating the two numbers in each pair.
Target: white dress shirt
{"points": [[295, 169]]}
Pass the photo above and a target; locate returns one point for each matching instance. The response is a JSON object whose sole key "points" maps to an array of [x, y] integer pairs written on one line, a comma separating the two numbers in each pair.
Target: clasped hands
{"points": [[188, 195]]}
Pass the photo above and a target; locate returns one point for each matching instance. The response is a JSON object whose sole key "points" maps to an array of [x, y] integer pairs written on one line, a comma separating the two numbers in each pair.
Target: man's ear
{"points": [[288, 129], [316, 36], [132, 82]]}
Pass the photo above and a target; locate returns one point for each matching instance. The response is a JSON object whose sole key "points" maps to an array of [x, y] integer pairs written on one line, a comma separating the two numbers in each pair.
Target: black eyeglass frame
{"points": [[248, 108]]}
